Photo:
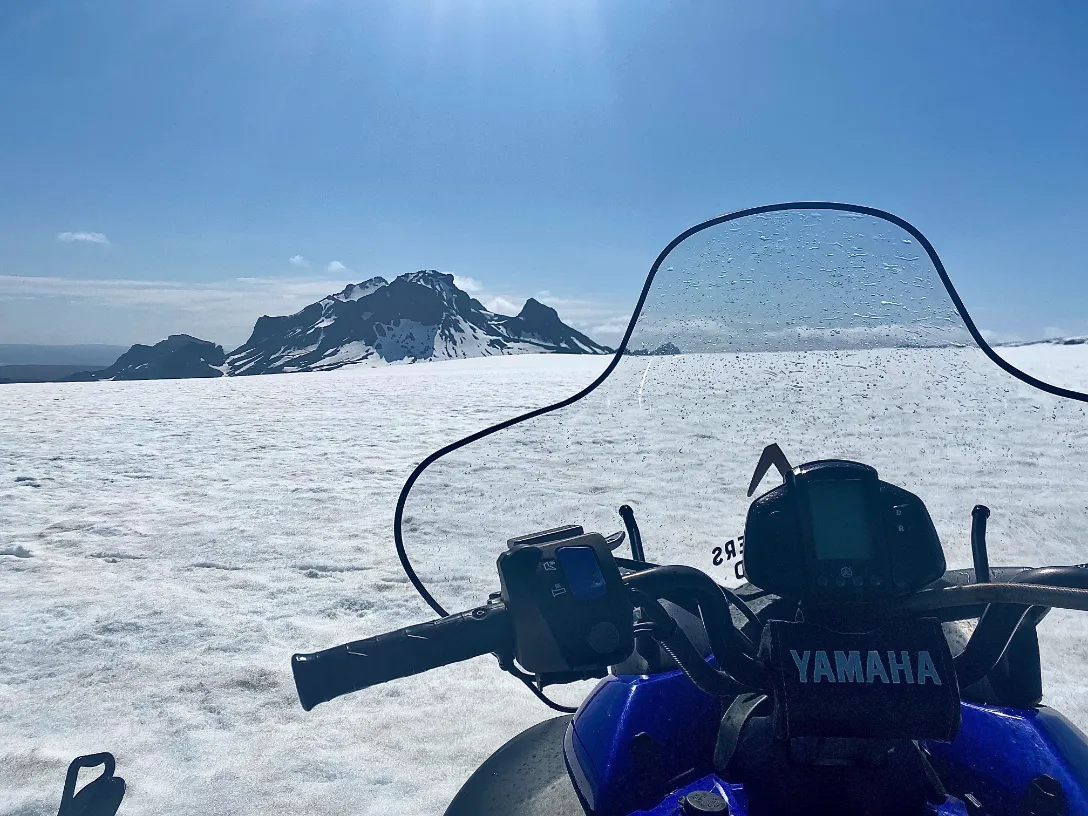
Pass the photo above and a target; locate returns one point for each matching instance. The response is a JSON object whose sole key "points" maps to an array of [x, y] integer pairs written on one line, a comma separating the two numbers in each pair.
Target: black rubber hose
{"points": [[673, 640], [628, 516], [945, 597], [688, 584], [724, 637], [979, 555], [988, 642], [999, 623]]}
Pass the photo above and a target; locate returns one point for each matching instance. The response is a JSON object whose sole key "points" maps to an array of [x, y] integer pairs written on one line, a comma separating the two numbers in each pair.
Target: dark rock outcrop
{"points": [[177, 357], [663, 349]]}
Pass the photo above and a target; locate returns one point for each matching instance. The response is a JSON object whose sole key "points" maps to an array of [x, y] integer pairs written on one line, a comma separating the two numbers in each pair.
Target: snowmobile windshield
{"points": [[828, 330]]}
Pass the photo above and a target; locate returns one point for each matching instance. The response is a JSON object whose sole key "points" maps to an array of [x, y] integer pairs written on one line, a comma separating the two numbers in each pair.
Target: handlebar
{"points": [[1000, 621], [322, 676]]}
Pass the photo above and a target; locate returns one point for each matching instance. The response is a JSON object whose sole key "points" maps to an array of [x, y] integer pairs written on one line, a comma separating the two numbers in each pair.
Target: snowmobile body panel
{"points": [[738, 803], [999, 751], [636, 738]]}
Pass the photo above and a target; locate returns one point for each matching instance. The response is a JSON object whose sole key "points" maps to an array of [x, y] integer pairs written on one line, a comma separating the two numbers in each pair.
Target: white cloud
{"points": [[613, 328], [590, 316], [999, 337], [85, 237], [335, 268], [182, 294], [593, 317], [467, 284], [298, 260], [502, 305], [221, 310]]}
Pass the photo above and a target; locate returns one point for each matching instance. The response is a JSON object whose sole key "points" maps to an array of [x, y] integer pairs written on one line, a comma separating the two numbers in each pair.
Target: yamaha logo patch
{"points": [[890, 683], [851, 667]]}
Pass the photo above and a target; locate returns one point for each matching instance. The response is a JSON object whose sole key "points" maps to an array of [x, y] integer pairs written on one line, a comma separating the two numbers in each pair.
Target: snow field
{"points": [[167, 545], [185, 537]]}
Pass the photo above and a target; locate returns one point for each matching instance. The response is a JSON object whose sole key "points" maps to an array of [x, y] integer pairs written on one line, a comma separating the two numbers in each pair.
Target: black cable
{"points": [[742, 607], [540, 695], [672, 639], [506, 663], [731, 648], [752, 596], [725, 638], [712, 682], [750, 646]]}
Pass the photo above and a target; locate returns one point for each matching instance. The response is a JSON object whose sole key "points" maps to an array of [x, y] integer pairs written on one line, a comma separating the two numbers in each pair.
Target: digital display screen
{"points": [[840, 520]]}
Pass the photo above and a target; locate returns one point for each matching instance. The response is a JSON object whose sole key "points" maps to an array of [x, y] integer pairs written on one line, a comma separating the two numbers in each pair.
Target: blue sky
{"points": [[162, 163]]}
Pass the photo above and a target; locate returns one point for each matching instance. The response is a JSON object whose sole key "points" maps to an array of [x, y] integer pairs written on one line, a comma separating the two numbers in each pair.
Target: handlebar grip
{"points": [[324, 675]]}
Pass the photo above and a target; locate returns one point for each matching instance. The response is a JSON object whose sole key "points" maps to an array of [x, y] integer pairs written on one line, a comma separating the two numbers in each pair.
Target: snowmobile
{"points": [[852, 671], [853, 652]]}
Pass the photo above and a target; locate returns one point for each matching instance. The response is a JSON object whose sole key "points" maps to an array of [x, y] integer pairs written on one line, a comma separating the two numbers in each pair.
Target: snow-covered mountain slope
{"points": [[418, 316], [177, 357], [1050, 341]]}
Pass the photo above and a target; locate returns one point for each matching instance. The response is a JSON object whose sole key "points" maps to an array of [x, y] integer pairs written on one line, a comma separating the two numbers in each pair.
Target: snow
{"points": [[166, 545], [467, 340], [186, 539], [349, 353], [357, 291], [1063, 365]]}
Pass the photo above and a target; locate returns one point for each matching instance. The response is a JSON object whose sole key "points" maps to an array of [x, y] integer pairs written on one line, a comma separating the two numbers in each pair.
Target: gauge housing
{"points": [[835, 531]]}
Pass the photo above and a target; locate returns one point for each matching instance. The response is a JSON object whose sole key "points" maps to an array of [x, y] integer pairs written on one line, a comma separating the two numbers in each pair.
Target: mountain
{"points": [[177, 357], [663, 349], [1052, 341], [418, 316]]}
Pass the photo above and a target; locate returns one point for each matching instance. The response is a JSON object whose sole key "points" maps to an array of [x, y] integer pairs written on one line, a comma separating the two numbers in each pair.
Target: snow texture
{"points": [[1063, 363], [166, 545]]}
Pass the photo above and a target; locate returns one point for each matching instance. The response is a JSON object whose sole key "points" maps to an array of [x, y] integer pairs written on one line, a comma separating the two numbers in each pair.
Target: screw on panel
{"points": [[1045, 797], [697, 803]]}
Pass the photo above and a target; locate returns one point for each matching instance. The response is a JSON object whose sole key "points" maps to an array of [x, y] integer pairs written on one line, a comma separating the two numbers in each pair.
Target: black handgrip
{"points": [[321, 676]]}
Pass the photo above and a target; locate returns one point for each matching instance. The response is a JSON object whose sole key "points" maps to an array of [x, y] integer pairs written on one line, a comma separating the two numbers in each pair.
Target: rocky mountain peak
{"points": [[179, 356], [418, 316]]}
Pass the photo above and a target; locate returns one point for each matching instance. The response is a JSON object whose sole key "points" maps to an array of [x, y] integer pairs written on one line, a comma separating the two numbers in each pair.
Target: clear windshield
{"points": [[828, 332]]}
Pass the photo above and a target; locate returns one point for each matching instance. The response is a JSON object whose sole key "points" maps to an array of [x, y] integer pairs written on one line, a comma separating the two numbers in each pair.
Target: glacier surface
{"points": [[166, 545]]}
